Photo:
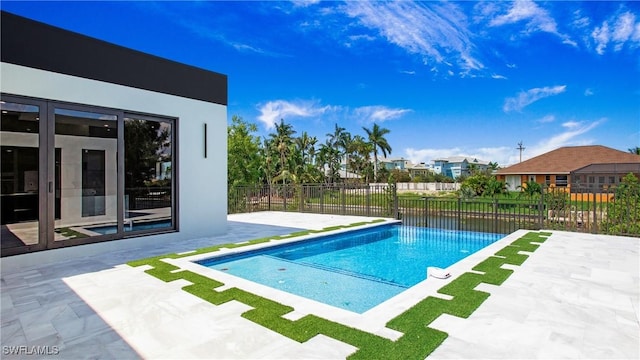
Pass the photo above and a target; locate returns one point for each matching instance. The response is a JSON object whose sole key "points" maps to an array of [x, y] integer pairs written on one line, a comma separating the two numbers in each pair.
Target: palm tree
{"points": [[340, 139], [378, 141], [306, 144], [360, 150], [330, 156], [635, 150], [283, 143]]}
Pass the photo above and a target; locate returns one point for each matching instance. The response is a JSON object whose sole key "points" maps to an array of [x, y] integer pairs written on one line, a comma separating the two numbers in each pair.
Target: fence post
{"points": [[541, 208], [459, 214], [343, 200], [594, 228], [495, 215], [368, 200], [396, 211], [426, 211]]}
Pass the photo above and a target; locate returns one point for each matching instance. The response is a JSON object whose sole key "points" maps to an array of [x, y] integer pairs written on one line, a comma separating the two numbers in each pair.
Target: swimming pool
{"points": [[356, 270]]}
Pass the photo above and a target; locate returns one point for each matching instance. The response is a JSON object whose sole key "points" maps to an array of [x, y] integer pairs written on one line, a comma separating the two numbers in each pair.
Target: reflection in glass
{"points": [[19, 127], [86, 182], [148, 173]]}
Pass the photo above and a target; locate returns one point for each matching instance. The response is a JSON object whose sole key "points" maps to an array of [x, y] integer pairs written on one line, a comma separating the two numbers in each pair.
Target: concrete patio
{"points": [[577, 296]]}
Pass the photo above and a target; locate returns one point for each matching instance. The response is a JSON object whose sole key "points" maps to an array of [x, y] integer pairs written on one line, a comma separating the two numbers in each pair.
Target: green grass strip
{"points": [[418, 340]]}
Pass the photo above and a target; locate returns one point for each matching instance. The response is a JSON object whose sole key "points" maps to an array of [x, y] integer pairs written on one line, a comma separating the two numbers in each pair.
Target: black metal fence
{"points": [[607, 211], [341, 199], [501, 216]]}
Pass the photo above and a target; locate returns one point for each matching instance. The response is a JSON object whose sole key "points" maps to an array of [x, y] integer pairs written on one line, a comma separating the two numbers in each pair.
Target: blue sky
{"points": [[447, 78]]}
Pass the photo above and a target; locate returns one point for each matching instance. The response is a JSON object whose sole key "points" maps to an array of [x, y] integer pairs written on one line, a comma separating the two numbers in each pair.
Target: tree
{"points": [[306, 145], [623, 212], [340, 139], [282, 142], [531, 189], [635, 150], [147, 143], [243, 153], [494, 187], [493, 165], [329, 156], [304, 158], [376, 137], [359, 162]]}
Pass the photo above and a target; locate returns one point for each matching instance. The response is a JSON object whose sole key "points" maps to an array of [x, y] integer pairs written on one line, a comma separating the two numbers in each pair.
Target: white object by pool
{"points": [[438, 273]]}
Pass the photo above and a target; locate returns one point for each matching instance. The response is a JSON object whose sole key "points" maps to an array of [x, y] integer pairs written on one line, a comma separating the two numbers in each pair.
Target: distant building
{"points": [[394, 163], [455, 166], [420, 169], [594, 166]]}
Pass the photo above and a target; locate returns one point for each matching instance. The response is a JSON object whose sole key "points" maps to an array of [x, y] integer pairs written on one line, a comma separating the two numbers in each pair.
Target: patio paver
{"points": [[577, 296]]}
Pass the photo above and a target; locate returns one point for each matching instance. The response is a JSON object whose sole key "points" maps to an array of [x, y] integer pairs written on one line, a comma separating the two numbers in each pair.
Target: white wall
{"points": [[202, 182]]}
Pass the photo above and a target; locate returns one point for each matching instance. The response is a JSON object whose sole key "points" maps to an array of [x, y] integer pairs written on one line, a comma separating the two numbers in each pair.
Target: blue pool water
{"points": [[112, 229], [356, 270]]}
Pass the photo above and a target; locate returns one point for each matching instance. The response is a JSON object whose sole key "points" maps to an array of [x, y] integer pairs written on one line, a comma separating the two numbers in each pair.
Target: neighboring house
{"points": [[100, 143], [420, 169], [573, 166], [394, 163], [456, 166]]}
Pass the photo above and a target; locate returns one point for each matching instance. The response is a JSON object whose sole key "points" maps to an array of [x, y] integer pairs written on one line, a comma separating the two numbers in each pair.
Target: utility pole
{"points": [[521, 148]]}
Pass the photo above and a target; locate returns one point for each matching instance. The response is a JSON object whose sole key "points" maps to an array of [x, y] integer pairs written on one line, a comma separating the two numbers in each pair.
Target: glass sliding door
{"points": [[74, 174], [148, 169], [21, 172], [86, 182]]}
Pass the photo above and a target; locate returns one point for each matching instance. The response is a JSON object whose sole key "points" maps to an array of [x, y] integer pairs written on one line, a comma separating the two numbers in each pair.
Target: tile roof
{"points": [[566, 159]]}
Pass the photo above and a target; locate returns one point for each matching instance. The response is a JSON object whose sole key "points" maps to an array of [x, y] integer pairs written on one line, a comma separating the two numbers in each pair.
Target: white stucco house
{"points": [[104, 145]]}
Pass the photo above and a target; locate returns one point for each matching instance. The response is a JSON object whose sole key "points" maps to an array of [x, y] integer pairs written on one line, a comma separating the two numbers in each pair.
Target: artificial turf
{"points": [[418, 340]]}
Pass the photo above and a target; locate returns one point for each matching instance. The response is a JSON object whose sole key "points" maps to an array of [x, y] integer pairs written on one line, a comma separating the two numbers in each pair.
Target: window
{"points": [[561, 180], [148, 183]]}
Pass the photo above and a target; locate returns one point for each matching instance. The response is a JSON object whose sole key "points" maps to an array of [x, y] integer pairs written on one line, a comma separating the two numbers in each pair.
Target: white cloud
{"points": [[426, 155], [569, 137], [571, 124], [571, 134], [435, 31], [378, 113], [304, 3], [547, 119], [588, 92], [272, 111], [535, 18], [619, 30], [528, 97], [497, 76]]}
